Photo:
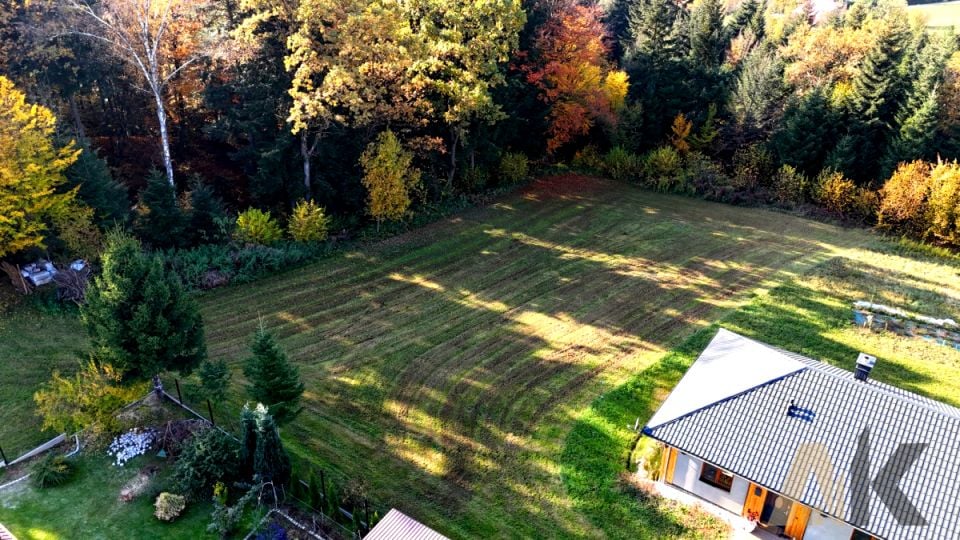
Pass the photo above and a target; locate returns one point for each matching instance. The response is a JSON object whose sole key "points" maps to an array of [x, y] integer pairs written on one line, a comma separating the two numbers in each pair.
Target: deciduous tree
{"points": [[389, 176], [31, 171], [152, 37]]}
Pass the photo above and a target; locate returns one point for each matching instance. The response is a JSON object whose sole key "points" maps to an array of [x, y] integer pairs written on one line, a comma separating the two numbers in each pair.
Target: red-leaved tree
{"points": [[569, 66]]}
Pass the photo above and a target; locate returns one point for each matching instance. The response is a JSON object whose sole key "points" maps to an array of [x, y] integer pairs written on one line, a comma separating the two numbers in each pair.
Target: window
{"points": [[716, 477]]}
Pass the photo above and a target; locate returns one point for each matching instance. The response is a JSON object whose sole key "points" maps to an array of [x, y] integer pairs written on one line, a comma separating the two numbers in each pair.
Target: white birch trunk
{"points": [[164, 137]]}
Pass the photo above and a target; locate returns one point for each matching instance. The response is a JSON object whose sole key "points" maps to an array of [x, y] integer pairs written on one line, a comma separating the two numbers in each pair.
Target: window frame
{"points": [[713, 478]]}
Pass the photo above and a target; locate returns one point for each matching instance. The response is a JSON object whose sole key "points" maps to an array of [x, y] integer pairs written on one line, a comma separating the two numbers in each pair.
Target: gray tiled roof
{"points": [[751, 435]]}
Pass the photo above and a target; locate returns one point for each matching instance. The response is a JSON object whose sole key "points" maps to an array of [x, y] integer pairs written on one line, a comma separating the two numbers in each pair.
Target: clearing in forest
{"points": [[447, 366]]}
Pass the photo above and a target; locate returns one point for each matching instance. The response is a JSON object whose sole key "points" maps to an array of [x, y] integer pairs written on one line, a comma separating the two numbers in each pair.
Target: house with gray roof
{"points": [[808, 450]]}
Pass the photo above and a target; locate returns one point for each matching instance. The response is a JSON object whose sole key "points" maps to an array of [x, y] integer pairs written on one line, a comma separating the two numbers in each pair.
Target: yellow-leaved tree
{"points": [[31, 169], [389, 176]]}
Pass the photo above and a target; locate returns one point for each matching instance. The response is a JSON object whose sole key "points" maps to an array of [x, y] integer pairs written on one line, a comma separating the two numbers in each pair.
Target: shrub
{"points": [[702, 175], [474, 178], [51, 471], [588, 159], [752, 167], [86, 400], [210, 457], [943, 214], [836, 193], [663, 162], [620, 164], [790, 185], [903, 199], [169, 506], [308, 223], [514, 168], [255, 226]]}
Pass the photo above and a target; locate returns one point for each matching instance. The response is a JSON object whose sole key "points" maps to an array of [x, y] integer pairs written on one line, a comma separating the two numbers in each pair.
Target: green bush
{"points": [[514, 168], [620, 164], [588, 159], [659, 164], [51, 471], [308, 223], [208, 458], [753, 167], [790, 186], [169, 506], [474, 179], [703, 176], [255, 226]]}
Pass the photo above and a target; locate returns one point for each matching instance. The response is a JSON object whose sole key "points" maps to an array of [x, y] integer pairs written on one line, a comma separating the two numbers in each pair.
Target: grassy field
{"points": [[482, 373], [939, 15], [32, 345]]}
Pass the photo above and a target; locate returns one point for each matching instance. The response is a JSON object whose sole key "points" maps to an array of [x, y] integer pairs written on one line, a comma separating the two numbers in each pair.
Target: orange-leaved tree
{"points": [[570, 68]]}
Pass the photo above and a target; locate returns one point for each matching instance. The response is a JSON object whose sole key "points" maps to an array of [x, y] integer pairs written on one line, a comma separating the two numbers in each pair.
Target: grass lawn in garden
{"points": [[482, 373], [88, 507], [32, 345]]}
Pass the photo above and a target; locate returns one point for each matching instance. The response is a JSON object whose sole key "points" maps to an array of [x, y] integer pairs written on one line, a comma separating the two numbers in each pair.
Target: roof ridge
{"points": [[648, 429], [822, 367]]}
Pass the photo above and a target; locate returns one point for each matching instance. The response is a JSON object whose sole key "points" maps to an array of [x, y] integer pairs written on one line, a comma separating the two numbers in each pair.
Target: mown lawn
{"points": [[88, 507], [458, 370], [32, 345], [446, 367], [810, 314]]}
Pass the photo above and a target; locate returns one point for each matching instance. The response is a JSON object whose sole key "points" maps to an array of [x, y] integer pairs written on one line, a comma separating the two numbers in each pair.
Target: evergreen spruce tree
{"points": [[755, 101], [807, 133], [203, 209], [138, 315], [96, 187], [708, 40], [273, 380], [749, 15], [876, 98], [270, 461], [915, 139], [248, 439], [160, 221], [214, 379]]}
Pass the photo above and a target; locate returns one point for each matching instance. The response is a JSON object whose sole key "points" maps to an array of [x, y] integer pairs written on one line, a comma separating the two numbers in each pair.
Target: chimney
{"points": [[865, 363]]}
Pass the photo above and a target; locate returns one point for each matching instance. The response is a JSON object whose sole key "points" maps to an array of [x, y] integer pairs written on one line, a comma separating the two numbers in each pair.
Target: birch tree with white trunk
{"points": [[139, 33]]}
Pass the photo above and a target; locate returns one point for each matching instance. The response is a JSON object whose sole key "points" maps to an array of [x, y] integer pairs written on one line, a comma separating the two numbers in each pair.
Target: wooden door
{"points": [[797, 521], [671, 465], [754, 503]]}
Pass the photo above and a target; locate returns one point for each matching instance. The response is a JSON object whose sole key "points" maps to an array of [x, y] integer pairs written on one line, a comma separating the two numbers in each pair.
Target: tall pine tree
{"points": [[808, 131], [160, 221], [96, 187], [708, 40], [877, 96], [273, 380]]}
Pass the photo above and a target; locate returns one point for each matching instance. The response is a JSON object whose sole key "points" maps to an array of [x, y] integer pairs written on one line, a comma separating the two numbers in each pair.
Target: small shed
{"points": [[396, 525]]}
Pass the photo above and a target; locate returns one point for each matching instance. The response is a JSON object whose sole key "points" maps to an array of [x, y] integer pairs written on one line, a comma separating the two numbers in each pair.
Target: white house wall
{"points": [[686, 475], [820, 527]]}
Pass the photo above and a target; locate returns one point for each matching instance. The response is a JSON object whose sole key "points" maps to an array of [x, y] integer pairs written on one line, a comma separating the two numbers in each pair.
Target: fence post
{"points": [[179, 396], [210, 410], [4, 456]]}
